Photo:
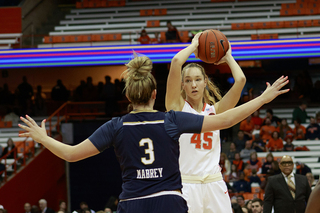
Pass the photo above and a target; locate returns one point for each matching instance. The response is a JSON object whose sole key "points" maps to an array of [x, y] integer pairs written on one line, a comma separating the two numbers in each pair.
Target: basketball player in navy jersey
{"points": [[146, 141]]}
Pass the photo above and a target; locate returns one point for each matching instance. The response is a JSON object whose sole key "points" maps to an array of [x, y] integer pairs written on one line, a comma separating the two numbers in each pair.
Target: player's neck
{"points": [[196, 104]]}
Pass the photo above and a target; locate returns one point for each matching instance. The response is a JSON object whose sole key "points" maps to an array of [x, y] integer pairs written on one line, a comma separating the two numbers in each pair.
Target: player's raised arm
{"points": [[66, 152], [174, 100], [231, 98], [235, 115]]}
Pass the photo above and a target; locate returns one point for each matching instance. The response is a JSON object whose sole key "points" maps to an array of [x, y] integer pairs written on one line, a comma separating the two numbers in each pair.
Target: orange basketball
{"points": [[213, 45]]}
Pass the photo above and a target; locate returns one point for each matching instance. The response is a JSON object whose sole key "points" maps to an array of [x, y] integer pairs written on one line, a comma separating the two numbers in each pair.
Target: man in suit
{"points": [[27, 208], [44, 208], [286, 192]]}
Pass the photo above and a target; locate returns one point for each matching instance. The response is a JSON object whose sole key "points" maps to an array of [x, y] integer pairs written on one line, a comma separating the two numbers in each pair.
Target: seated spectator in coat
{"points": [[240, 141], [299, 130], [313, 130], [274, 120], [247, 172], [258, 144], [311, 180], [275, 168], [246, 152], [231, 152], [224, 164], [284, 129], [172, 34], [156, 39], [275, 143], [254, 178], [254, 162], [247, 126], [257, 120], [234, 174], [241, 185], [301, 168], [300, 113], [288, 146], [10, 146], [238, 162], [144, 38], [266, 167], [267, 130]]}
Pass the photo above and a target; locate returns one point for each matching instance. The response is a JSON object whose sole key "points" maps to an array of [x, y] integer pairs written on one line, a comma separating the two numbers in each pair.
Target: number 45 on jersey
{"points": [[203, 140]]}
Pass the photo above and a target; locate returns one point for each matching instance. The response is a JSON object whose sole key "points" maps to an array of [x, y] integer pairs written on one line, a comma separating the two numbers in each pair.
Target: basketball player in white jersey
{"points": [[203, 185]]}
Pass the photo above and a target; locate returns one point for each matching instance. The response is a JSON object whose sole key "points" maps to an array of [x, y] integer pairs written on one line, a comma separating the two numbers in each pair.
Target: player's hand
{"points": [[195, 42], [225, 58], [274, 90], [34, 131]]}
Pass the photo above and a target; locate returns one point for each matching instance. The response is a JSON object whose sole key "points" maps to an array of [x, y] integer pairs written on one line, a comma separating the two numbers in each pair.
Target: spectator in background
{"points": [[242, 185], [172, 34], [231, 152], [301, 168], [240, 141], [83, 207], [254, 178], [311, 180], [144, 38], [266, 167], [257, 205], [300, 113], [27, 208], [274, 120], [299, 130], [59, 92], [257, 120], [246, 152], [275, 143], [24, 93], [236, 208], [10, 146], [234, 174], [267, 130], [63, 206], [40, 108], [258, 144], [11, 116], [156, 39], [313, 130], [78, 96], [35, 209], [275, 168], [284, 129], [318, 118], [247, 126], [288, 146], [109, 92], [240, 201], [6, 96], [44, 208], [238, 162], [90, 92], [254, 162], [112, 203], [224, 164]]}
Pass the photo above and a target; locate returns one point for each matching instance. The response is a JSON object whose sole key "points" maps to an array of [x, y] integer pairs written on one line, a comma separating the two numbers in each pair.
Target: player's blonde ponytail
{"points": [[211, 92], [139, 81]]}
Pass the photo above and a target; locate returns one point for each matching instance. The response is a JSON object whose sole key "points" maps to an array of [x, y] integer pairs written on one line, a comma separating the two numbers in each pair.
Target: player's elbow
{"points": [[176, 60], [242, 80]]}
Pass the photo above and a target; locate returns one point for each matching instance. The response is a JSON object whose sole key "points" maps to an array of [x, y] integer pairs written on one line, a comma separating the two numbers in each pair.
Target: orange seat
{"points": [[277, 24], [286, 12], [250, 196], [97, 37], [263, 25], [316, 22], [48, 39], [304, 23], [79, 5], [291, 24], [103, 3], [300, 11], [254, 37], [153, 23], [250, 26], [85, 38], [160, 12], [115, 37], [5, 124], [237, 26], [146, 12], [255, 189]]}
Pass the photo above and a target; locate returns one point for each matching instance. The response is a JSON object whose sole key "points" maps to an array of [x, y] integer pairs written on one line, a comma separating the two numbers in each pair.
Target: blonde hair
{"points": [[140, 83], [211, 93]]}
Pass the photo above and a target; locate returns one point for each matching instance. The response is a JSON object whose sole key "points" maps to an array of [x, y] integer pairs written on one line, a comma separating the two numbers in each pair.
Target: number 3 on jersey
{"points": [[203, 139]]}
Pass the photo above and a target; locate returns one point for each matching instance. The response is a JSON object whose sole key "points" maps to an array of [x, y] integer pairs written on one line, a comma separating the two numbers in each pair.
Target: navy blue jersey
{"points": [[146, 145]]}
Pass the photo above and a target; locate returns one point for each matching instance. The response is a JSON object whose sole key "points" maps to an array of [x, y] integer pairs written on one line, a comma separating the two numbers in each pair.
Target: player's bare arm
{"points": [[174, 100], [66, 152]]}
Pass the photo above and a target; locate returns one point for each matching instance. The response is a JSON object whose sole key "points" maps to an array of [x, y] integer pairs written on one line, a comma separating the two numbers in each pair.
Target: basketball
{"points": [[213, 45]]}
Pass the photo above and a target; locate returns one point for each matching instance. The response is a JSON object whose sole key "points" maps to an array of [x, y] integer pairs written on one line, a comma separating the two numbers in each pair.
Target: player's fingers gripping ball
{"points": [[213, 45]]}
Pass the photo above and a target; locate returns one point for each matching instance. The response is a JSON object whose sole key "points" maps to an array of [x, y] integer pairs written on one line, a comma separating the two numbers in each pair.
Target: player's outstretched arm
{"points": [[235, 115], [313, 205], [66, 152], [174, 101], [231, 98]]}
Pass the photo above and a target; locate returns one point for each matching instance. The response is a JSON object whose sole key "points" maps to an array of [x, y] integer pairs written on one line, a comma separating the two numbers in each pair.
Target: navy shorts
{"points": [[159, 204]]}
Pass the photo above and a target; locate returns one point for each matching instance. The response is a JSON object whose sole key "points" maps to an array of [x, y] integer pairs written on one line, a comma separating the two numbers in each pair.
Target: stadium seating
{"points": [[245, 16]]}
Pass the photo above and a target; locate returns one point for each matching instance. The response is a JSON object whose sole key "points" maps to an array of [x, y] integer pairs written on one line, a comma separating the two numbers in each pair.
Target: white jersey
{"points": [[200, 153]]}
